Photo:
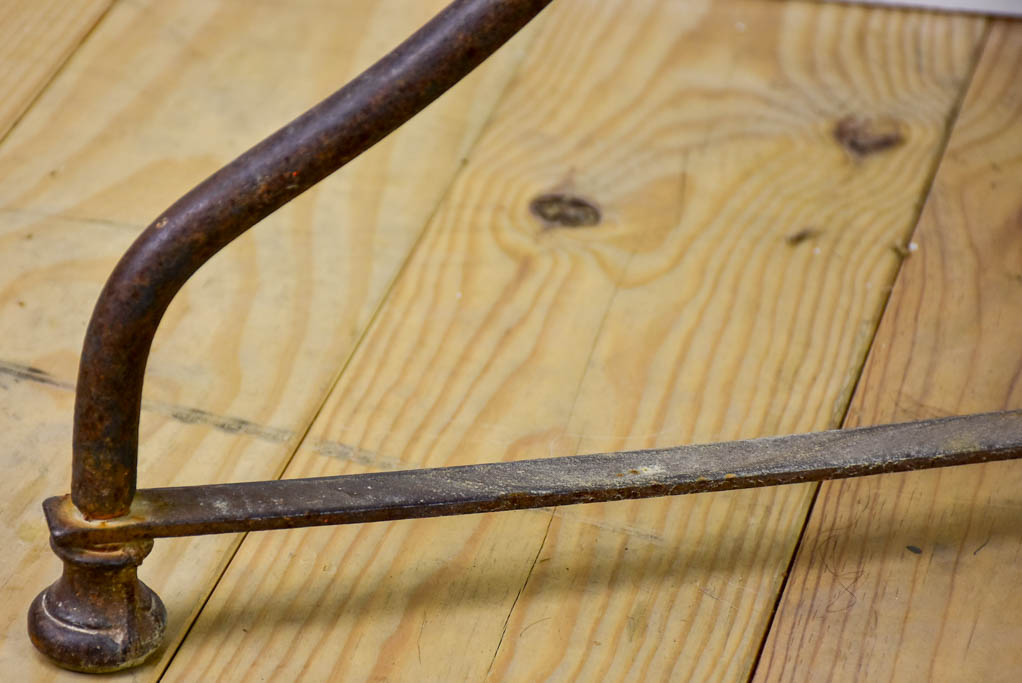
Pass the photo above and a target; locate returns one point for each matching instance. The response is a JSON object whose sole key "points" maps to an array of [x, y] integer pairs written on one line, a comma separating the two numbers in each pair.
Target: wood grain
{"points": [[730, 288], [165, 94], [162, 94], [36, 38], [915, 577]]}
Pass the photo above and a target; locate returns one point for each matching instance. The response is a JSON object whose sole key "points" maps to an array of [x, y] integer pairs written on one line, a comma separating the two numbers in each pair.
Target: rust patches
{"points": [[98, 617], [565, 210], [862, 136]]}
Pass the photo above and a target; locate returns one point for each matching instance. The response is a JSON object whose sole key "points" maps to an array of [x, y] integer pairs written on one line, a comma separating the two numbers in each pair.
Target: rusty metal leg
{"points": [[98, 616]]}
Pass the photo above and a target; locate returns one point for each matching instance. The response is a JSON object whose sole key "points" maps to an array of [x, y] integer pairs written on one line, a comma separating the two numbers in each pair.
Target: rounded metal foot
{"points": [[98, 616]]}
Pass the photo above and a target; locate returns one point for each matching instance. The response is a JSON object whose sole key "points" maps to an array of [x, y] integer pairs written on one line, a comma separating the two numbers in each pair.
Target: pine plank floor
{"points": [[915, 577], [644, 222]]}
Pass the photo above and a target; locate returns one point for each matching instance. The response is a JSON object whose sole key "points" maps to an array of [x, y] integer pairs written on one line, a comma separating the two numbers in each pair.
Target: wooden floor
{"points": [[804, 216]]}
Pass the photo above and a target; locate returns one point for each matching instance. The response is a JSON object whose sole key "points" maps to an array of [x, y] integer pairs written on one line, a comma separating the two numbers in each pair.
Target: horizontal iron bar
{"points": [[404, 494]]}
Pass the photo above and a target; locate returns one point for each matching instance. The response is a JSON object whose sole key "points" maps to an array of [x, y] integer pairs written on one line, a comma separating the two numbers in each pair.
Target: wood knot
{"points": [[864, 136], [565, 210], [801, 236]]}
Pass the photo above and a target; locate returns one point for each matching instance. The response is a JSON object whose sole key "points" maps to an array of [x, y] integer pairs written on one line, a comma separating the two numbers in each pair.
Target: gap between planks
{"points": [[951, 123], [968, 238], [58, 50], [325, 395], [373, 419]]}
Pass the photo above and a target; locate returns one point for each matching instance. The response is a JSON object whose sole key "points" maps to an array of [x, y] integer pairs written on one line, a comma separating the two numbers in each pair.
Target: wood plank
{"points": [[730, 149], [1008, 7], [166, 95], [162, 94], [916, 576], [36, 38]]}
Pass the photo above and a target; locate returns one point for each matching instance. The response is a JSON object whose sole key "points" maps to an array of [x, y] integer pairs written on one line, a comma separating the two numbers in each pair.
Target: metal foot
{"points": [[98, 616]]}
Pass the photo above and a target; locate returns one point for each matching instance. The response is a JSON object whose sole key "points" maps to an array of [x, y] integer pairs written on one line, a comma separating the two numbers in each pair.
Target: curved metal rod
{"points": [[232, 200]]}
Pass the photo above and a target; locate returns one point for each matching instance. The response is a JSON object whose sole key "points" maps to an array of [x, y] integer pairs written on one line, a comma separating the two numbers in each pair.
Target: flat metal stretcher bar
{"points": [[437, 492]]}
